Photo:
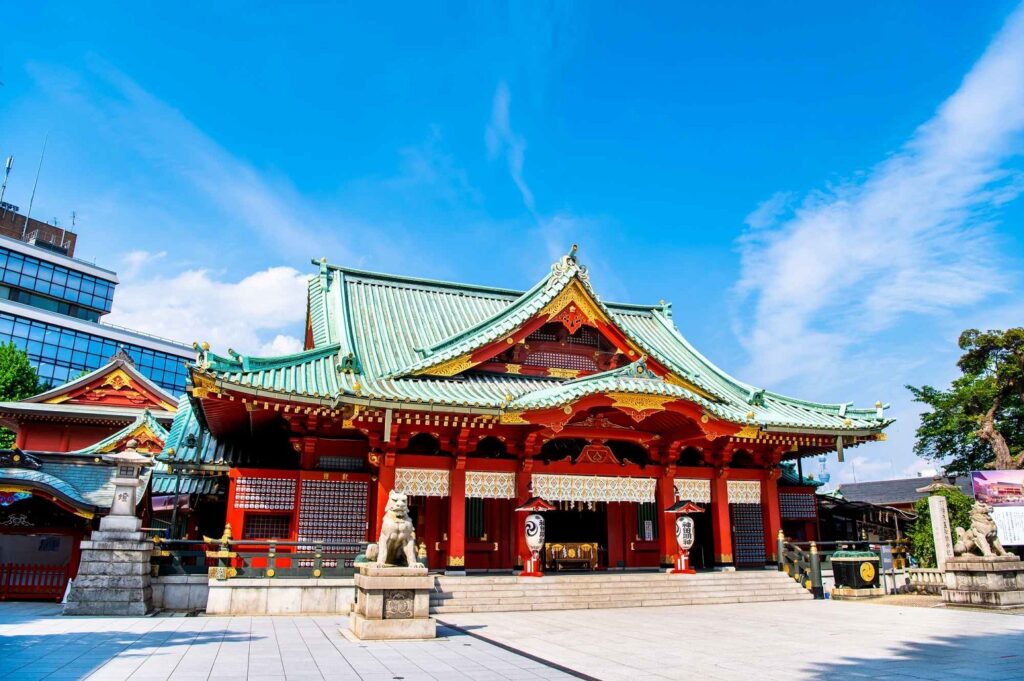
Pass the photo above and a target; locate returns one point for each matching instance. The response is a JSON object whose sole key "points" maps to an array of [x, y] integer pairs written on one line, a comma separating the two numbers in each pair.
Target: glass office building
{"points": [[51, 305]]}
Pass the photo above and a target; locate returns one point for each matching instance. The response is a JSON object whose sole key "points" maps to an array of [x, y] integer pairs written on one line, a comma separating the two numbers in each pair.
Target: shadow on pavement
{"points": [[990, 656], [78, 651]]}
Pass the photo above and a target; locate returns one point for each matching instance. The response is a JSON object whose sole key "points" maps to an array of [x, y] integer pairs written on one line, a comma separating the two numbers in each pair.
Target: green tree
{"points": [[18, 380], [922, 544], [979, 421]]}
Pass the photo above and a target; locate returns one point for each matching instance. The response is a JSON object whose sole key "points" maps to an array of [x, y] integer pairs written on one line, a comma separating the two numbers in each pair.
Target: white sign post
{"points": [[940, 530]]}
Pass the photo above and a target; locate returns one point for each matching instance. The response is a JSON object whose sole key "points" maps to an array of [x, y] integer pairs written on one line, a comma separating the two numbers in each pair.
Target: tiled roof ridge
{"points": [[238, 363], [114, 364], [145, 418], [749, 389], [352, 273]]}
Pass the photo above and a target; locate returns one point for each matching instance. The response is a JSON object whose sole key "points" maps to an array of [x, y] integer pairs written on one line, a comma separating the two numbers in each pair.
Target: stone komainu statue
{"points": [[397, 542], [981, 538]]}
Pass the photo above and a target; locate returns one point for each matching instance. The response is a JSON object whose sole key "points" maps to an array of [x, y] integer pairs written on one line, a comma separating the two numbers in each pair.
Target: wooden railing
{"points": [[28, 581], [804, 561], [180, 557], [226, 558]]}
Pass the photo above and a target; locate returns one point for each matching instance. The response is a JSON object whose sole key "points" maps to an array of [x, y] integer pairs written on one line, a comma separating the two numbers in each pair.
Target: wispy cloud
{"points": [[912, 236], [502, 141], [241, 196]]}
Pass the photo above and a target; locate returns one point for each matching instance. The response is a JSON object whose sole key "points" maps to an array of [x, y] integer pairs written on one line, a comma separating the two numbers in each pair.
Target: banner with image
{"points": [[1004, 492]]}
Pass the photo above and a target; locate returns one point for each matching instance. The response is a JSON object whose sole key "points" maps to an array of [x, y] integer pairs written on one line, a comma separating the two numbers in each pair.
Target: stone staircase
{"points": [[485, 593]]}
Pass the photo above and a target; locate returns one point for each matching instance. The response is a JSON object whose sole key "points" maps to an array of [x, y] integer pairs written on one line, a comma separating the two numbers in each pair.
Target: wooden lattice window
{"points": [[267, 526], [475, 522], [561, 360], [647, 521]]}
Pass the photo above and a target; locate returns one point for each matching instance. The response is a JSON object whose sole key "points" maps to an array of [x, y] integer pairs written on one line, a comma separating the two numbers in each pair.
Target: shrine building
{"points": [[472, 400], [55, 483]]}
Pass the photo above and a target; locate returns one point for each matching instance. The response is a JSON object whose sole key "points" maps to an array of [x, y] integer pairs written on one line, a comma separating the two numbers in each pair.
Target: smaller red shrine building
{"points": [[54, 485], [471, 399]]}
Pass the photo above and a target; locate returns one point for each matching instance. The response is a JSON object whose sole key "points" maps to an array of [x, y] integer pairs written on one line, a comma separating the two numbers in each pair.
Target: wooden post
{"points": [[385, 483], [523, 480], [770, 513], [721, 524], [457, 517], [666, 496]]}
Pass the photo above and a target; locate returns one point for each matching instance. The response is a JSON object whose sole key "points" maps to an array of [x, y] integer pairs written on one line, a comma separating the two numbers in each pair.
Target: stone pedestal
{"points": [[987, 582], [392, 603], [113, 577]]}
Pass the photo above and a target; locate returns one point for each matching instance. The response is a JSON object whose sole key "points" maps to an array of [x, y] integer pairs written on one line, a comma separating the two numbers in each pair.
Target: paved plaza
{"points": [[36, 642], [791, 640]]}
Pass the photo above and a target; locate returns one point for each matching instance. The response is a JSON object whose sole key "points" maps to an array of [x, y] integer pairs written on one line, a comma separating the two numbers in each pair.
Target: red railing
{"points": [[36, 582]]}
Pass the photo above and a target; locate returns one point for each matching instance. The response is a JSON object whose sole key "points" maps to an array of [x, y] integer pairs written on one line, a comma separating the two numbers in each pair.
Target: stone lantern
{"points": [[114, 574], [127, 480]]}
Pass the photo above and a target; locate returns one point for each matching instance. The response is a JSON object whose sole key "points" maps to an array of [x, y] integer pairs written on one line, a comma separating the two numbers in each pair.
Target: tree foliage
{"points": [[922, 543], [979, 421], [18, 380]]}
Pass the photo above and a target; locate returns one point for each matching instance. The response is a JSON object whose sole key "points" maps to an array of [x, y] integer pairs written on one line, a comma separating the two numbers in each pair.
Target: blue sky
{"points": [[827, 195]]}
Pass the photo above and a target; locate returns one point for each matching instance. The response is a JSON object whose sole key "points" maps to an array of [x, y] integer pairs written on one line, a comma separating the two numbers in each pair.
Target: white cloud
{"points": [[281, 345], [912, 236], [195, 305], [502, 141]]}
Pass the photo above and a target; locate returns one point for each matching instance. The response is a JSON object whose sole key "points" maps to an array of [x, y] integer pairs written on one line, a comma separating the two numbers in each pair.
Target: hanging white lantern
{"points": [[684, 532], [535, 532]]}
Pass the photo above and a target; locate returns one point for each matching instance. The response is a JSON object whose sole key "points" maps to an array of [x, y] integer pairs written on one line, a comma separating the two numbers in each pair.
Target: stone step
{"points": [[570, 592], [589, 588], [547, 582], [570, 602], [584, 592], [631, 603], [606, 576]]}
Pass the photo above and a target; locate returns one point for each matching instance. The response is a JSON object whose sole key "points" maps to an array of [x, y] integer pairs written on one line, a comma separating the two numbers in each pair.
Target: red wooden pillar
{"points": [[720, 522], [665, 497], [457, 516], [385, 483], [524, 479], [616, 541], [770, 512]]}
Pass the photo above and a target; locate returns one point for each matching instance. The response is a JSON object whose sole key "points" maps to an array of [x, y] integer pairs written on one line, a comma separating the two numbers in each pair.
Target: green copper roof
{"points": [[84, 484], [207, 449], [144, 419], [372, 331]]}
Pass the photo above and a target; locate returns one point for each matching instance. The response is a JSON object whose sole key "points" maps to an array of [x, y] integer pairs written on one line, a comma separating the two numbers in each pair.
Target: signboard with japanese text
{"points": [[1004, 492]]}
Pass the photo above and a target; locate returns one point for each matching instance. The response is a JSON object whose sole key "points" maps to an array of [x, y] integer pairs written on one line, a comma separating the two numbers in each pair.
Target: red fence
{"points": [[36, 582]]}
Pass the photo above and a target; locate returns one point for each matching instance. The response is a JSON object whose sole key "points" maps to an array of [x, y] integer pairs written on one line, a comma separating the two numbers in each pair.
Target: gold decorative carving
{"points": [[204, 385], [512, 418], [450, 367], [574, 294], [675, 380], [881, 437], [748, 432], [638, 406], [456, 561], [557, 372]]}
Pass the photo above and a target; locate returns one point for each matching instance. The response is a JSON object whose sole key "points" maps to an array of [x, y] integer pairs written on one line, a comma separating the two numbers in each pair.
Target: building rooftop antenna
{"points": [[24, 229], [3, 187]]}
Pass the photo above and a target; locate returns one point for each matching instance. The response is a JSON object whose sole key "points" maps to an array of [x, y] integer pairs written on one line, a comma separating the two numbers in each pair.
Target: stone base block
{"points": [[987, 582], [999, 600], [391, 630], [845, 593]]}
